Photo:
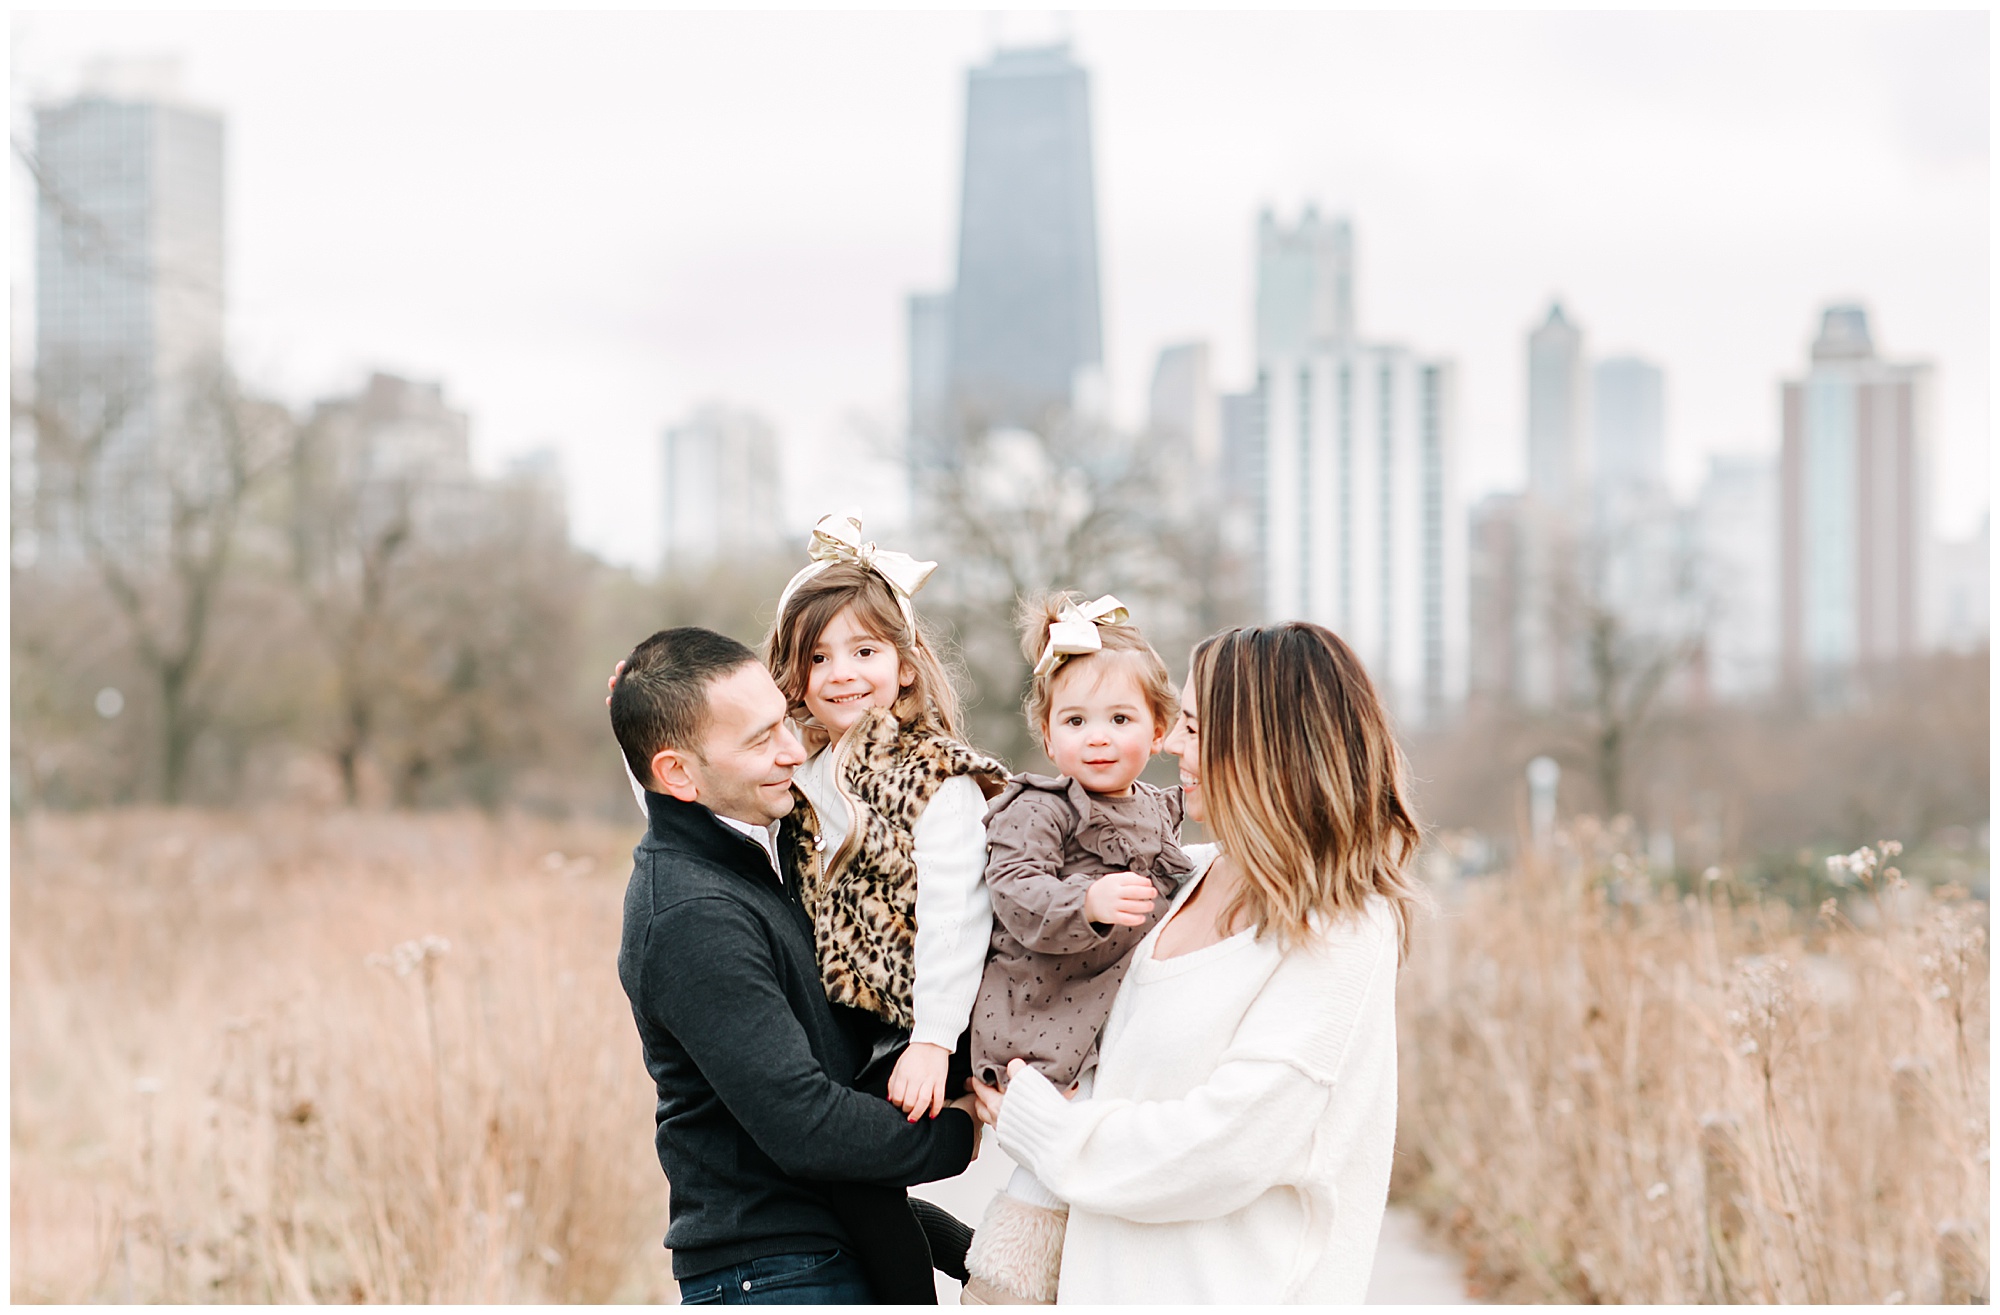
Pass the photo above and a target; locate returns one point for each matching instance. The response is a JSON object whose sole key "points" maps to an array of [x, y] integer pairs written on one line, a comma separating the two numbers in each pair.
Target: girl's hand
{"points": [[1119, 899], [916, 1085], [612, 683]]}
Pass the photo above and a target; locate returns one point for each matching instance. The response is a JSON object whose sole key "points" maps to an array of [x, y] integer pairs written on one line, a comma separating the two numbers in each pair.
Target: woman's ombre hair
{"points": [[1303, 782]]}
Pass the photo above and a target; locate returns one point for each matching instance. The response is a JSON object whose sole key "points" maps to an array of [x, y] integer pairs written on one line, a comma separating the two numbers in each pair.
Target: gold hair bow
{"points": [[1074, 631], [838, 539]]}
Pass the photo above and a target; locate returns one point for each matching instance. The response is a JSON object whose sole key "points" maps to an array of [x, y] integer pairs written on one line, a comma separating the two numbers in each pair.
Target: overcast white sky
{"points": [[585, 224]]}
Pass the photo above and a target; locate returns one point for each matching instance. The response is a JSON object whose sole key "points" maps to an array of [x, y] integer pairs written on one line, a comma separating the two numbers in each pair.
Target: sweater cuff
{"points": [[935, 1034], [1031, 1119]]}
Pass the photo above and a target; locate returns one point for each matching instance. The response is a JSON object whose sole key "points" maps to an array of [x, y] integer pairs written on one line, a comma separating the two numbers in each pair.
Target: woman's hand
{"points": [[612, 683], [1120, 899], [916, 1085], [986, 1101]]}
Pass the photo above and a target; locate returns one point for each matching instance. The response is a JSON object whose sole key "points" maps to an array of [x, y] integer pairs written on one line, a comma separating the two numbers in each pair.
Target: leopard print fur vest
{"points": [[863, 897]]}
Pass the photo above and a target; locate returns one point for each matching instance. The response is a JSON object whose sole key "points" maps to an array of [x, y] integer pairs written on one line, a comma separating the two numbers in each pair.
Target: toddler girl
{"points": [[1078, 868]]}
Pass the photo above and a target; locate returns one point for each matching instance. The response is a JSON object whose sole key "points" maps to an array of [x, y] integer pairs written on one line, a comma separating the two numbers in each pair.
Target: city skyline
{"points": [[1677, 250]]}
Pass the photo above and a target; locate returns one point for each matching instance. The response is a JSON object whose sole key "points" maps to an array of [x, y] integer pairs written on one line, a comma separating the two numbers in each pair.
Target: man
{"points": [[756, 1121]]}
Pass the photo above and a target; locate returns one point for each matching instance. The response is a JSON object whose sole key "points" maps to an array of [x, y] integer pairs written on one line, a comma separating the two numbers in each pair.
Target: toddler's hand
{"points": [[916, 1085], [1119, 898], [612, 683]]}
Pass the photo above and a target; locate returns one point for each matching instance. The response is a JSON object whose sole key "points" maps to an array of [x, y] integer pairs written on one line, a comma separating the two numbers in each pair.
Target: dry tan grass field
{"points": [[1616, 1096], [385, 1057]]}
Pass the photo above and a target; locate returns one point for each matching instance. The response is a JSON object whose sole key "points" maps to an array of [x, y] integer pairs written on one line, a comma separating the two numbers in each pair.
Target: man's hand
{"points": [[1119, 899], [916, 1086], [612, 683]]}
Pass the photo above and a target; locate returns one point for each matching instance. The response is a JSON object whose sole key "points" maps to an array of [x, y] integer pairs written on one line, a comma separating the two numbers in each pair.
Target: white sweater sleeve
{"points": [[954, 916], [1247, 1127]]}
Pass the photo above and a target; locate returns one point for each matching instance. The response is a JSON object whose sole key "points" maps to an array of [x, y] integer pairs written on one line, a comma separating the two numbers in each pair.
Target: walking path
{"points": [[1410, 1269]]}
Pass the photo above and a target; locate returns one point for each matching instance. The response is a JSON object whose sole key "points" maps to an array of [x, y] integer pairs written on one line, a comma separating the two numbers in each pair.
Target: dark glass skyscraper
{"points": [[1024, 316]]}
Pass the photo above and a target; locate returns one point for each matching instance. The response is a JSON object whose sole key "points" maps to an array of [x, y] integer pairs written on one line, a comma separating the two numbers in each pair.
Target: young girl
{"points": [[887, 837], [1078, 868]]}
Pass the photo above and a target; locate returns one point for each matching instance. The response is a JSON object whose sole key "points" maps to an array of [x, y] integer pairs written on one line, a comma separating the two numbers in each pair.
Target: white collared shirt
{"points": [[760, 834]]}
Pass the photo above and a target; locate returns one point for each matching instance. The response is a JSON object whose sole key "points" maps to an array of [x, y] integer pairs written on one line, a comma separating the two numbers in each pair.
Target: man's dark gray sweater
{"points": [[753, 1072]]}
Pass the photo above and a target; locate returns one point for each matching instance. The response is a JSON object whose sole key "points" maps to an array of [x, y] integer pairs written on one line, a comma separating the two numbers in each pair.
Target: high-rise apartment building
{"points": [[722, 487], [1361, 520], [1736, 543], [1025, 331], [1960, 607], [128, 289], [1628, 435], [1305, 284], [929, 328], [399, 455], [1184, 424], [1364, 520], [1559, 467], [1854, 480]]}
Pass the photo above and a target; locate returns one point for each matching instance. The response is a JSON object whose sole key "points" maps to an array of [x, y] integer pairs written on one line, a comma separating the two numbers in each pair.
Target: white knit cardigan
{"points": [[1237, 1145]]}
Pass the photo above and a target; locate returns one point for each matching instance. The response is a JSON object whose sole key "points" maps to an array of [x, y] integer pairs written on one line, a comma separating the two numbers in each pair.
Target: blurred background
{"points": [[1616, 384]]}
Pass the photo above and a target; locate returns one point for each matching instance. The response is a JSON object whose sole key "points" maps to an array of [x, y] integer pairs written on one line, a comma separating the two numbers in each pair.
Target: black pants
{"points": [[897, 1239]]}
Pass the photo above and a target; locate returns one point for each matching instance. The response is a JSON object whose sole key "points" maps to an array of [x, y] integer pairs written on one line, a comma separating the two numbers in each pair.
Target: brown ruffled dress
{"points": [[1051, 973]]}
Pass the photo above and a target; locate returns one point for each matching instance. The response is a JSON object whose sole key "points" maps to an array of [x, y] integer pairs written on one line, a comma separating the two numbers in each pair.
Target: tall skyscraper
{"points": [[722, 487], [1628, 428], [400, 454], [929, 327], [1362, 520], [1855, 507], [1184, 423], [1305, 284], [1025, 321], [1558, 425], [128, 286]]}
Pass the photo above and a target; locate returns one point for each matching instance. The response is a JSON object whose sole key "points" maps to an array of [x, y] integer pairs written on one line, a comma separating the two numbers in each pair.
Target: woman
{"points": [[1237, 1145]]}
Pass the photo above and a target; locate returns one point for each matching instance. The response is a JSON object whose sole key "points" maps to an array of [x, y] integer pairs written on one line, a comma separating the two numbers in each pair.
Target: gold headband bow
{"points": [[1074, 631], [838, 539]]}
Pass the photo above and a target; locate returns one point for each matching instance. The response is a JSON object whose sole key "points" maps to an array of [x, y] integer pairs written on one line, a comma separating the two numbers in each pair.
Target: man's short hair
{"points": [[661, 698]]}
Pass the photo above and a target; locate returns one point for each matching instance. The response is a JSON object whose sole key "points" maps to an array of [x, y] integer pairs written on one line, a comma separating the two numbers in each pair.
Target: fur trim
{"points": [[1017, 1249]]}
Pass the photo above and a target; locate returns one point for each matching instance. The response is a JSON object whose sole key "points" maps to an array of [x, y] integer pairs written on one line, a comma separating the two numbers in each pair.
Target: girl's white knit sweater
{"points": [[1237, 1145]]}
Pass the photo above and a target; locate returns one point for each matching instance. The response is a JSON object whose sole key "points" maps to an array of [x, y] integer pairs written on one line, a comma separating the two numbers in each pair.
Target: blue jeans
{"points": [[806, 1278]]}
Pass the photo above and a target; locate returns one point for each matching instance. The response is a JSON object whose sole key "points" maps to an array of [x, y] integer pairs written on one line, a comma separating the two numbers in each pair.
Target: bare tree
{"points": [[152, 499], [1068, 505], [350, 540], [1632, 641]]}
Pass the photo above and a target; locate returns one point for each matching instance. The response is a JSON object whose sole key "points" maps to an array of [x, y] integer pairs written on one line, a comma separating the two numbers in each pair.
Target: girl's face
{"points": [[1100, 730], [851, 671], [1184, 743]]}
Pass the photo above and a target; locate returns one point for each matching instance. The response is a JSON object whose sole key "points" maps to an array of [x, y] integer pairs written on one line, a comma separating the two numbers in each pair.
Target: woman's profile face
{"points": [[1184, 743]]}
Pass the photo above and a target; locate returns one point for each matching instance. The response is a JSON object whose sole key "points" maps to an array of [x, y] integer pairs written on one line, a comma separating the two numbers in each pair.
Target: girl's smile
{"points": [[851, 671]]}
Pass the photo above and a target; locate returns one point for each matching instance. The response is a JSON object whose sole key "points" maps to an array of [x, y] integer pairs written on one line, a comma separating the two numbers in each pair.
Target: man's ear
{"points": [[670, 771]]}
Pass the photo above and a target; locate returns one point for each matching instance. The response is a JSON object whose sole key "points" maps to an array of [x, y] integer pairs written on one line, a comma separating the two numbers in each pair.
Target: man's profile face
{"points": [[748, 753]]}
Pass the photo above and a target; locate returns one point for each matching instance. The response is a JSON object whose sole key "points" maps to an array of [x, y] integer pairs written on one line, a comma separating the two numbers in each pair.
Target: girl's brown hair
{"points": [[1304, 783], [1155, 682], [930, 702]]}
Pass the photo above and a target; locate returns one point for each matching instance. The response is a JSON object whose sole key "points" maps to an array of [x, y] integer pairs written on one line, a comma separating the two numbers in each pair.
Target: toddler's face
{"points": [[1100, 731], [850, 672]]}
